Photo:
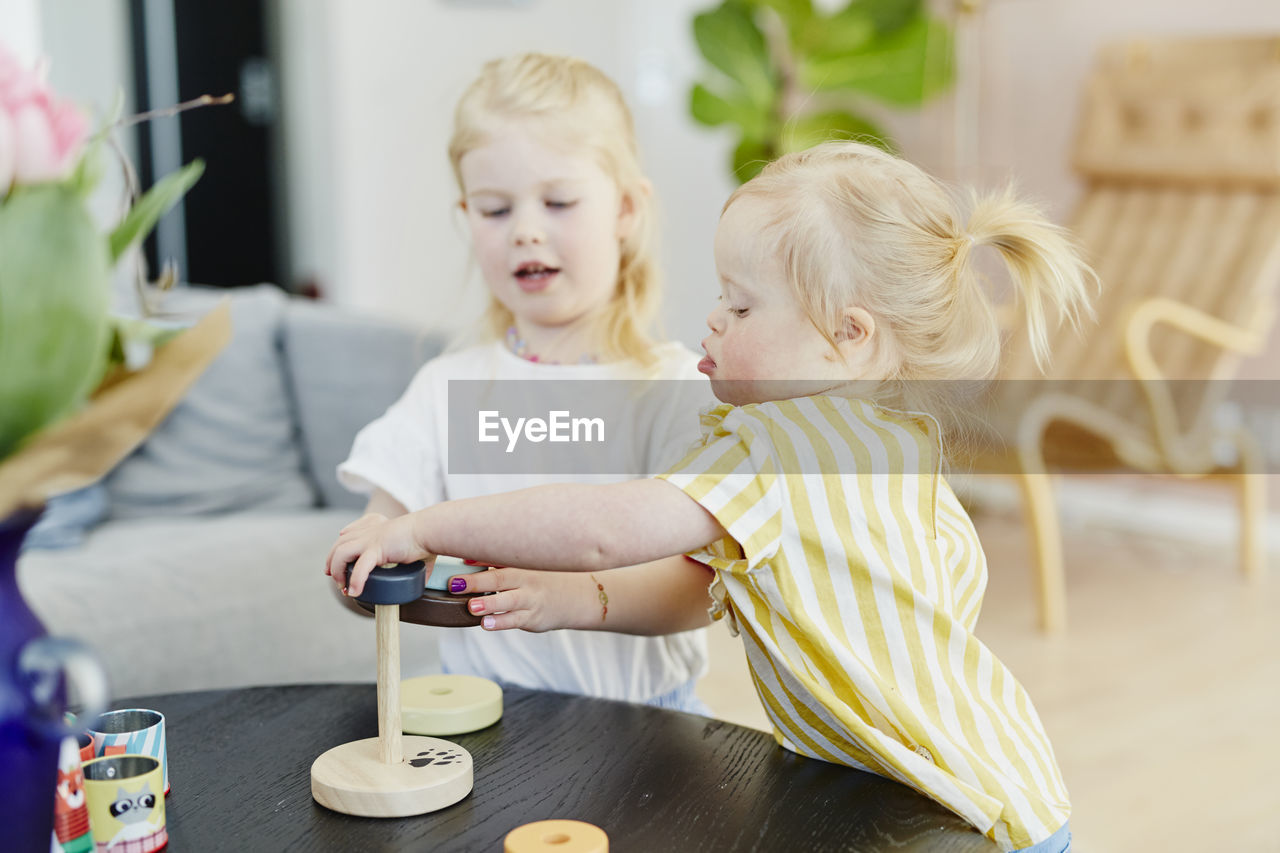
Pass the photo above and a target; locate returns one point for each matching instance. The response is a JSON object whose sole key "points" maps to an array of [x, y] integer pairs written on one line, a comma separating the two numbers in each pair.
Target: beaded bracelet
{"points": [[603, 596]]}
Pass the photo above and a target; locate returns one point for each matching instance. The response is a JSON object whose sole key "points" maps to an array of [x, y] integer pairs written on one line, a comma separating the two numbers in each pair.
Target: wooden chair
{"points": [[1179, 148]]}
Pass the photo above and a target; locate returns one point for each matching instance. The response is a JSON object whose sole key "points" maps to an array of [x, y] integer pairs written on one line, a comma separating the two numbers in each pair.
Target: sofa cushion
{"points": [[231, 444], [201, 603], [344, 370]]}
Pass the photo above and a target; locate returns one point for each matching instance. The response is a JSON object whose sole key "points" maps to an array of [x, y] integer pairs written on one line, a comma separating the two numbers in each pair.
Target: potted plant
{"points": [[787, 75]]}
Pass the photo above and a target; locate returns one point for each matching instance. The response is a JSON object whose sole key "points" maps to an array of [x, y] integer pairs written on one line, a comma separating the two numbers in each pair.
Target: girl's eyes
{"points": [[737, 312], [503, 211]]}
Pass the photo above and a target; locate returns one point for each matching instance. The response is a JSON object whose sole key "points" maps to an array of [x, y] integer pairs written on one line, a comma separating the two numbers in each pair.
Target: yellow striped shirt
{"points": [[855, 577]]}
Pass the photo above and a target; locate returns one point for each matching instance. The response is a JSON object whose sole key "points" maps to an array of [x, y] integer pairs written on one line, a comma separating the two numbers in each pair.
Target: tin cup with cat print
{"points": [[125, 795]]}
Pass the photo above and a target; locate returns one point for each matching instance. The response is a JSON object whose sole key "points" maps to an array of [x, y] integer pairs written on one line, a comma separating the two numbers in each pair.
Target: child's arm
{"points": [[383, 504], [663, 597], [563, 527]]}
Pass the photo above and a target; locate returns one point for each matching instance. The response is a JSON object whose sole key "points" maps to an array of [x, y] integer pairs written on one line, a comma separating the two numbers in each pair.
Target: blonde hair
{"points": [[580, 103], [855, 225]]}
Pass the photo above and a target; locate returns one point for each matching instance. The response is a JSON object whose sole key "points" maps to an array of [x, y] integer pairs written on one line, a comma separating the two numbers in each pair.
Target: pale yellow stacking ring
{"points": [[448, 704]]}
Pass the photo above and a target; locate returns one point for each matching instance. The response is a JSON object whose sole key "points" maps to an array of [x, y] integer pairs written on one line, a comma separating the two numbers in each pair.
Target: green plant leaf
{"points": [[711, 109], [55, 291], [749, 158], [794, 13], [731, 41], [144, 215], [847, 31], [88, 172], [810, 130], [126, 332], [887, 16], [904, 68]]}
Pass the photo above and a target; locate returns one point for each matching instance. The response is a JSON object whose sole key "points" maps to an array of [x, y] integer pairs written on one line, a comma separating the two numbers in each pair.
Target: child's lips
{"points": [[534, 284], [706, 365], [535, 280]]}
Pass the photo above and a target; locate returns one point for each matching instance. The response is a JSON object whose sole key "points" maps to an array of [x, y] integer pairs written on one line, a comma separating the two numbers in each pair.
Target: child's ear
{"points": [[857, 329], [632, 198]]}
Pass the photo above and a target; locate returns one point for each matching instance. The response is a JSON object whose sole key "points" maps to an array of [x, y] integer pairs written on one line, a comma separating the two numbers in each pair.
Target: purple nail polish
{"points": [[457, 585]]}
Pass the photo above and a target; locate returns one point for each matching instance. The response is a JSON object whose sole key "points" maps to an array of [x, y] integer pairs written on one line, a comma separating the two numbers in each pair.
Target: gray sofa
{"points": [[207, 570]]}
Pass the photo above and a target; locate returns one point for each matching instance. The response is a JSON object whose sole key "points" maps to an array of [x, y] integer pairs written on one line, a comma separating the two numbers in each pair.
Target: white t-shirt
{"points": [[406, 454]]}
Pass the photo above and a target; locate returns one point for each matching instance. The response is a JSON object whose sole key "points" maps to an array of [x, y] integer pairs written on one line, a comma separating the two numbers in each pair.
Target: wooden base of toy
{"points": [[556, 836], [353, 779]]}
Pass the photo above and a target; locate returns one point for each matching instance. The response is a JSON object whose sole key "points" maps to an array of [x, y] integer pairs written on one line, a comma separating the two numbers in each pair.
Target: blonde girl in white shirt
{"points": [[814, 500], [560, 219]]}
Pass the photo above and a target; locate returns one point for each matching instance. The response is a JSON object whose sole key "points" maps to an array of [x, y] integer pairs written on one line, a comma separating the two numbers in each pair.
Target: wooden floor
{"points": [[1162, 699]]}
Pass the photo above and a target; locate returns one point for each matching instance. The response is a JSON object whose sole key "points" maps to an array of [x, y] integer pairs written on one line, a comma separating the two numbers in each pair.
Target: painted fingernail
{"points": [[344, 591], [457, 585], [486, 622], [475, 605]]}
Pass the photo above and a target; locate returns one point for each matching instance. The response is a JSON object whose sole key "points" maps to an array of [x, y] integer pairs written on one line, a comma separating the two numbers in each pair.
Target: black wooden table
{"points": [[654, 780]]}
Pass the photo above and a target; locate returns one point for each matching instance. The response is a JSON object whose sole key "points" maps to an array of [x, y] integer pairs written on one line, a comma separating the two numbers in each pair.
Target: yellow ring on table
{"points": [[556, 836], [448, 704]]}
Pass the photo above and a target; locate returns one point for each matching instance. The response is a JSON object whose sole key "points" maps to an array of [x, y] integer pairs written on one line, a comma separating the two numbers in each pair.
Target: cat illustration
{"points": [[133, 810]]}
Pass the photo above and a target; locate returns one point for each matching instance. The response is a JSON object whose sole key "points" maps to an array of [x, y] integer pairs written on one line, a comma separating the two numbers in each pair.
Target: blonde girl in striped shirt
{"points": [[814, 502]]}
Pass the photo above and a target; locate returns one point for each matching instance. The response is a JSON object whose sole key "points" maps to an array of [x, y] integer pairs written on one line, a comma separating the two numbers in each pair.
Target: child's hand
{"points": [[371, 541], [531, 600]]}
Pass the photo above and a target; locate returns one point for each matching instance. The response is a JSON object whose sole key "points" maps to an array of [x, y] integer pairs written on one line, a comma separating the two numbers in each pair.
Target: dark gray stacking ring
{"points": [[395, 584]]}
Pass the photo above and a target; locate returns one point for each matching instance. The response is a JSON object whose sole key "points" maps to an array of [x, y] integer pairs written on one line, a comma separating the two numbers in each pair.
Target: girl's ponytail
{"points": [[1042, 259]]}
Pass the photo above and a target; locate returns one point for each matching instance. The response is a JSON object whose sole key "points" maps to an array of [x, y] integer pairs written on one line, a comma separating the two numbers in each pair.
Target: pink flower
{"points": [[41, 137]]}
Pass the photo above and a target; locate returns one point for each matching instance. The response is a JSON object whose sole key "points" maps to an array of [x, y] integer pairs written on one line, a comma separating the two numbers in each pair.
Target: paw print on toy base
{"points": [[438, 757]]}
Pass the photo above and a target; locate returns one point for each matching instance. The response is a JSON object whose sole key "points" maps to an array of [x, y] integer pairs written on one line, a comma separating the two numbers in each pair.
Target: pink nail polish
{"points": [[487, 622]]}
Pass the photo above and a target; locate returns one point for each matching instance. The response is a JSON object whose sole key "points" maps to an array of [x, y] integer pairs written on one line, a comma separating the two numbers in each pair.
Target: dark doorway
{"points": [[228, 230]]}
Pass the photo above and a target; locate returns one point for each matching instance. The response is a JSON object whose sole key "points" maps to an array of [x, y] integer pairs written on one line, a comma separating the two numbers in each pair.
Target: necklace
{"points": [[517, 345]]}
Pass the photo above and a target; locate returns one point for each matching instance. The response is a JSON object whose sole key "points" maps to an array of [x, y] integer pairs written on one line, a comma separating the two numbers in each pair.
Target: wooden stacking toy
{"points": [[392, 775], [433, 604], [556, 836]]}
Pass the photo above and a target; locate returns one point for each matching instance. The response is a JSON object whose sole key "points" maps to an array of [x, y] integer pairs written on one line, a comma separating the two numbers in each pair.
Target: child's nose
{"points": [[713, 319], [527, 230]]}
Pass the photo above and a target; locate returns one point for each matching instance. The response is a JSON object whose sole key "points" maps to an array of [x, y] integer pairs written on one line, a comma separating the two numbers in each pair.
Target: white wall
{"points": [[88, 47], [20, 28]]}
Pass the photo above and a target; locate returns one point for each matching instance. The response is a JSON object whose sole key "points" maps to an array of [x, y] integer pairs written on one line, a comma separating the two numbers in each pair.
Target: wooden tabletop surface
{"points": [[652, 779]]}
